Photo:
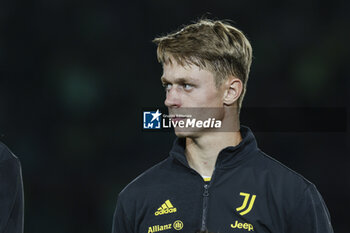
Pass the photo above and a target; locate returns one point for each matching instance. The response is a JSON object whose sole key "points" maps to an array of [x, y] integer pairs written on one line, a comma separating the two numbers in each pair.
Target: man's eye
{"points": [[167, 86], [187, 86]]}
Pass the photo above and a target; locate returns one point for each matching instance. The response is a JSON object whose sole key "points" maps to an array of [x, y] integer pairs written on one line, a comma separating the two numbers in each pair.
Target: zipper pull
{"points": [[206, 192]]}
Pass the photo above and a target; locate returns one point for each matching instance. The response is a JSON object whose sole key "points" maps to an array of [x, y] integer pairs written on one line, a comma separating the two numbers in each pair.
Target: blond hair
{"points": [[213, 45]]}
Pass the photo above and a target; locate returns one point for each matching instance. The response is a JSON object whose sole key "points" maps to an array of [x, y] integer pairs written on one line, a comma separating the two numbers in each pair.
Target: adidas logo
{"points": [[166, 208]]}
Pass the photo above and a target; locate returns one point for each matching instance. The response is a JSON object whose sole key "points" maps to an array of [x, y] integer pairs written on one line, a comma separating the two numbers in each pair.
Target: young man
{"points": [[215, 180], [11, 192]]}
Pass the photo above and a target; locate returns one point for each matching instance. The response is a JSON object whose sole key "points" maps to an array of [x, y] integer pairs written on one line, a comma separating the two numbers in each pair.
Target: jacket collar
{"points": [[228, 157]]}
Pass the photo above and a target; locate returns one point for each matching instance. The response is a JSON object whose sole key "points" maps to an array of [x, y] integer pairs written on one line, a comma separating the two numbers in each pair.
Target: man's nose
{"points": [[173, 98]]}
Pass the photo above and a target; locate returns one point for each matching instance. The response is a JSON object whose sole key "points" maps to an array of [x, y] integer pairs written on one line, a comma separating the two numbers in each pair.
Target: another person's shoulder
{"points": [[6, 155], [10, 166]]}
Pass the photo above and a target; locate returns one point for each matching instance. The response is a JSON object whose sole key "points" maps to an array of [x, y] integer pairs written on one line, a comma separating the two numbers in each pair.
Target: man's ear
{"points": [[233, 90]]}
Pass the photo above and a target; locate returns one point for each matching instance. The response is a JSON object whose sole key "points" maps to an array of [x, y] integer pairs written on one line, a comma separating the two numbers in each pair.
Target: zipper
{"points": [[205, 195], [205, 207]]}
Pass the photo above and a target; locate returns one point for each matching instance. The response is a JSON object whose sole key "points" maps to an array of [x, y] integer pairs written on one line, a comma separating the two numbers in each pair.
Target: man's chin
{"points": [[181, 133]]}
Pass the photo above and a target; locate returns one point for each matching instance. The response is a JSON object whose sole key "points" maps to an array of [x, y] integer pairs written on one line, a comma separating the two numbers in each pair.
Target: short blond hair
{"points": [[213, 45]]}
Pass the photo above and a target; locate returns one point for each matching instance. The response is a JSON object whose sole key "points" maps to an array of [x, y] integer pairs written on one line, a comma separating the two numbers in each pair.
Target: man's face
{"points": [[188, 88]]}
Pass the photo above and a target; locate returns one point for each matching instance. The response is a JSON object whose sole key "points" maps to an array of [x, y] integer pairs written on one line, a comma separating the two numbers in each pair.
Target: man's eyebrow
{"points": [[177, 80]]}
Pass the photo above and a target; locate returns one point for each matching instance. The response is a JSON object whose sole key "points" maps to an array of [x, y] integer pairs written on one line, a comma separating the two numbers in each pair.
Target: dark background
{"points": [[74, 76]]}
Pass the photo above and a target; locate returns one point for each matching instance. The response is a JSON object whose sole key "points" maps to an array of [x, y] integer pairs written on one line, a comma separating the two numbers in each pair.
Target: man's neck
{"points": [[202, 152]]}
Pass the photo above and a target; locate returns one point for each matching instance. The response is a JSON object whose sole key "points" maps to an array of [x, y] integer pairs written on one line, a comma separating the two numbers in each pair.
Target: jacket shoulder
{"points": [[147, 180], [283, 184], [280, 173], [294, 195]]}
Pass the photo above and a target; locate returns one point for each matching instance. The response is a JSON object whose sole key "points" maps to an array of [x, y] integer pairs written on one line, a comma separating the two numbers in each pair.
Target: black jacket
{"points": [[249, 191], [11, 192]]}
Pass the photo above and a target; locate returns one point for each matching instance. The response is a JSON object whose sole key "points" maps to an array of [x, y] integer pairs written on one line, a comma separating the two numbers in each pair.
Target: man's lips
{"points": [[178, 118]]}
